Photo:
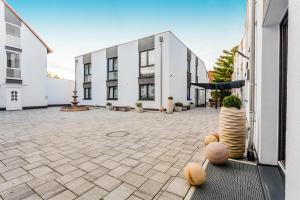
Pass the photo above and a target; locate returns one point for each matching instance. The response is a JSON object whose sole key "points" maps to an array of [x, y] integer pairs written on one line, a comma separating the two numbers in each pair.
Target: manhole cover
{"points": [[117, 134]]}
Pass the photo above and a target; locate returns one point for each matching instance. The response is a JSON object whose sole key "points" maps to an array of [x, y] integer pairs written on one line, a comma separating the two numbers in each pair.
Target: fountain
{"points": [[74, 107]]}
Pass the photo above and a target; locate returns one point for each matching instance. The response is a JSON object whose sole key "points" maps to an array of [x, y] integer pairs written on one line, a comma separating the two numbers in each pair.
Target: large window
{"points": [[112, 72], [13, 30], [147, 63], [87, 73], [147, 92], [87, 94], [188, 79], [13, 65], [188, 65], [112, 93]]}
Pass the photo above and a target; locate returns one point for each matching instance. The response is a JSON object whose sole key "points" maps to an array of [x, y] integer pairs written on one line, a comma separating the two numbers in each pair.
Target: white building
{"points": [[149, 70], [23, 63], [274, 48]]}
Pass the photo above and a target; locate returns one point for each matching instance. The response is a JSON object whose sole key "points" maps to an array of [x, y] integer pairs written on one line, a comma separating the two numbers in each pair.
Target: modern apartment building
{"points": [[23, 63], [148, 70], [269, 62]]}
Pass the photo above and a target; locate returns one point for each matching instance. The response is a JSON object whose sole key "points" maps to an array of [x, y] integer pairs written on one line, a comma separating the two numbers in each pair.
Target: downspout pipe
{"points": [[250, 149], [161, 39]]}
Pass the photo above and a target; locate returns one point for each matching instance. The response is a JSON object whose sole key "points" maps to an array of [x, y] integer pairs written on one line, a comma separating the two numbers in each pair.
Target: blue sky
{"points": [[75, 27]]}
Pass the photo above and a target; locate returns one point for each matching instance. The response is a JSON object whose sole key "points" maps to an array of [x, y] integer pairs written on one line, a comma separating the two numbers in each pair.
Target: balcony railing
{"points": [[88, 78], [13, 73], [112, 75]]}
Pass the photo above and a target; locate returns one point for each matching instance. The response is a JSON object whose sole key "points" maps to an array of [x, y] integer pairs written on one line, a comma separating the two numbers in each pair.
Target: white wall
{"points": [[2, 56], [293, 109], [59, 91], [34, 69]]}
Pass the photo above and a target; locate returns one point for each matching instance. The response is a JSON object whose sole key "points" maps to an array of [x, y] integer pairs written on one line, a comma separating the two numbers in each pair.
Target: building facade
{"points": [[23, 63], [148, 70], [271, 44]]}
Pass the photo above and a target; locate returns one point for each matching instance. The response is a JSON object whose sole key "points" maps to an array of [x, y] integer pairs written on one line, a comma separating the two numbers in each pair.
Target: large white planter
{"points": [[178, 109], [139, 109], [232, 127], [170, 106], [109, 107]]}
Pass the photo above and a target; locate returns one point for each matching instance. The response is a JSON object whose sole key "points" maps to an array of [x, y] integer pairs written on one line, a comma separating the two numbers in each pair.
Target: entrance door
{"points": [[283, 89], [13, 99], [200, 97]]}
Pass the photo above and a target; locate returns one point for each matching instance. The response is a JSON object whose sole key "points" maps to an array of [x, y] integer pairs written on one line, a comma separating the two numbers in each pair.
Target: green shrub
{"points": [[108, 104], [179, 104], [191, 103], [170, 98], [139, 104], [217, 94], [232, 101]]}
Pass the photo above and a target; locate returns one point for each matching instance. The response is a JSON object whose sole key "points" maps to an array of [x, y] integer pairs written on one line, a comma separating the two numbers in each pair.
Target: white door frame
{"points": [[14, 98]]}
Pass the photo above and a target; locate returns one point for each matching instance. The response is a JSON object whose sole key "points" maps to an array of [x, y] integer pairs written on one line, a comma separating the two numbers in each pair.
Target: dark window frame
{"points": [[188, 73], [87, 74], [147, 92], [114, 70], [89, 96], [196, 66], [147, 64], [108, 93]]}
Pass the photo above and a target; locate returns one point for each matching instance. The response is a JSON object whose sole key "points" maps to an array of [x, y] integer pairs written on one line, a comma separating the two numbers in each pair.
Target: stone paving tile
{"points": [[121, 193], [65, 195], [79, 186], [17, 193], [133, 179], [179, 187], [107, 182], [70, 149], [133, 197], [149, 189], [95, 193], [33, 197], [49, 189]]}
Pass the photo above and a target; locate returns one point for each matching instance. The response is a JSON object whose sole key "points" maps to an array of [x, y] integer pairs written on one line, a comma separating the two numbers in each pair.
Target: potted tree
{"points": [[192, 105], [139, 107], [170, 105], [109, 106], [232, 126], [178, 107]]}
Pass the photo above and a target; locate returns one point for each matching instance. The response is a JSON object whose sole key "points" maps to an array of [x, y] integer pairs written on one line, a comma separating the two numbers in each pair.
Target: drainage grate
{"points": [[234, 181], [117, 134]]}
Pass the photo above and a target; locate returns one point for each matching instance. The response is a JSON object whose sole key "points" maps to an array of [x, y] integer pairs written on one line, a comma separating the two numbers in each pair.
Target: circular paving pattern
{"points": [[117, 134]]}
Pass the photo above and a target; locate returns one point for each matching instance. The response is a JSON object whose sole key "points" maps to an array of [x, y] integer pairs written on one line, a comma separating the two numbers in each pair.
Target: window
{"points": [[147, 63], [87, 94], [13, 60], [112, 93], [112, 72], [13, 30], [188, 79], [14, 95], [196, 78], [147, 92], [188, 93], [87, 73], [188, 65]]}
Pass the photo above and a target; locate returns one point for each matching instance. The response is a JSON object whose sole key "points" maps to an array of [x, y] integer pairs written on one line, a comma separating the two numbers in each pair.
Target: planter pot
{"points": [[233, 131], [139, 109], [109, 107], [170, 106], [178, 109]]}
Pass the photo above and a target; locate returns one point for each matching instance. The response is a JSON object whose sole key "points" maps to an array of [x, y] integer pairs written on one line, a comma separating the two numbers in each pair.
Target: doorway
{"points": [[13, 98]]}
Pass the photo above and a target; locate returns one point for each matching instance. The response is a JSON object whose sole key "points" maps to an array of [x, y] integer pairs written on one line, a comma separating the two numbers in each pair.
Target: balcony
{"points": [[13, 73], [12, 41], [112, 76], [88, 78], [147, 75]]}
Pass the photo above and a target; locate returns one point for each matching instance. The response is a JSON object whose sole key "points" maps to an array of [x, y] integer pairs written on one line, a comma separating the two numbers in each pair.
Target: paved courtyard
{"points": [[99, 154]]}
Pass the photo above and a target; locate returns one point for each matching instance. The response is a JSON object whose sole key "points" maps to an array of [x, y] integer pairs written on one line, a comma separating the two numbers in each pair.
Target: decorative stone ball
{"points": [[217, 153], [209, 139], [216, 134], [194, 173], [161, 109]]}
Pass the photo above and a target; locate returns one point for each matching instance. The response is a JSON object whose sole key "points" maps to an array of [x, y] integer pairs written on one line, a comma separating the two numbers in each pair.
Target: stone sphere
{"points": [[217, 153], [209, 139], [194, 173]]}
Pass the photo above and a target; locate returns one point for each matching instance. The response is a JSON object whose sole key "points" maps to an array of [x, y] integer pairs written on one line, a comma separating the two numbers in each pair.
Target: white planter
{"points": [[139, 109], [232, 131], [170, 106], [178, 109], [109, 107]]}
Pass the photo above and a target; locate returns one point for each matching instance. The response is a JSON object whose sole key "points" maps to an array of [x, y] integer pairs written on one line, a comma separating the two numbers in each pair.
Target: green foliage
{"points": [[108, 104], [139, 104], [232, 101], [217, 94], [179, 104], [223, 69], [170, 98]]}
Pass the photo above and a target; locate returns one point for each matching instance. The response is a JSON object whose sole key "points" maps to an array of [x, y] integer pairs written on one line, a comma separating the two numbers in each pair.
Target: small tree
{"points": [[52, 75]]}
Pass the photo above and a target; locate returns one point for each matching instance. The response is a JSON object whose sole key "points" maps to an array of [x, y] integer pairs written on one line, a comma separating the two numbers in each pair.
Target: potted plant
{"points": [[109, 106], [139, 107], [178, 106], [170, 105], [232, 126], [192, 105]]}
